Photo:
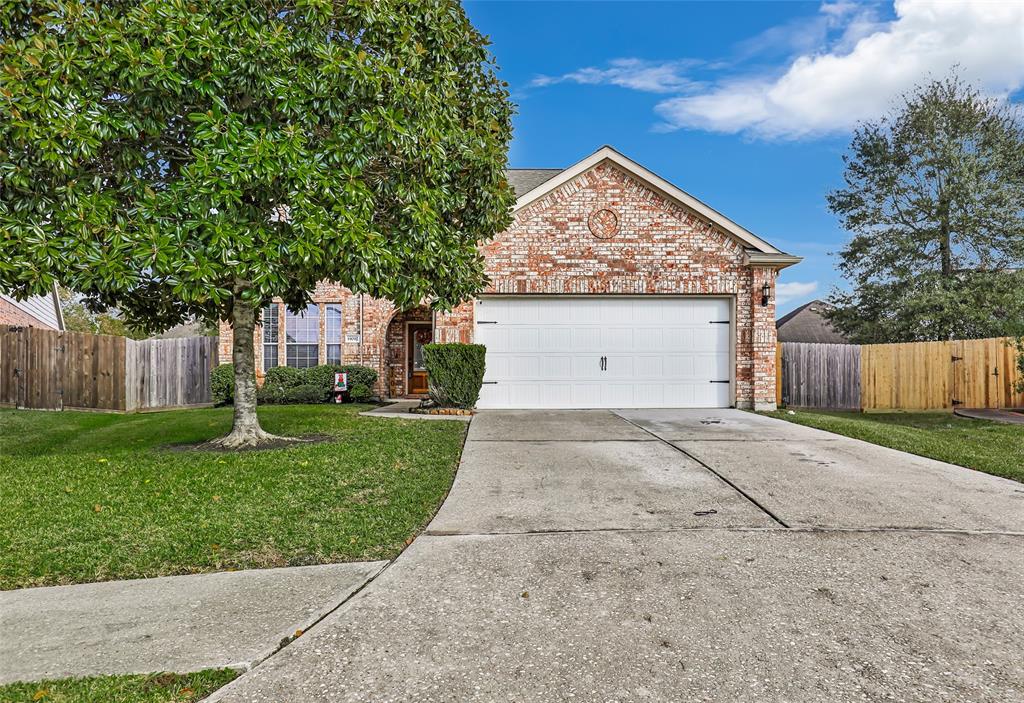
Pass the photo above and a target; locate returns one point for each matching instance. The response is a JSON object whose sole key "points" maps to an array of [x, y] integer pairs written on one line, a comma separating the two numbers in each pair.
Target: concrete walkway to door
{"points": [[682, 555]]}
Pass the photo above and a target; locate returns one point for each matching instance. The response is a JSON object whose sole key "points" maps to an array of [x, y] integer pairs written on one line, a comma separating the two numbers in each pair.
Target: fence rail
{"points": [[53, 370], [975, 373]]}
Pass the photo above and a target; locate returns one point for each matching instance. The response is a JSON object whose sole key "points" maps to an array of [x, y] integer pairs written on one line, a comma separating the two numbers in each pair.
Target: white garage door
{"points": [[605, 352]]}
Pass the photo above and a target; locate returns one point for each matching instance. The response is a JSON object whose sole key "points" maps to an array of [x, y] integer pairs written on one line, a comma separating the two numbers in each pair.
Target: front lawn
{"points": [[94, 497], [152, 688], [991, 447]]}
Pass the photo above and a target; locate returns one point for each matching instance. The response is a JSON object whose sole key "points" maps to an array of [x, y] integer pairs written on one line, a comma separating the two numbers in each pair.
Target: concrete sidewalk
{"points": [[176, 623]]}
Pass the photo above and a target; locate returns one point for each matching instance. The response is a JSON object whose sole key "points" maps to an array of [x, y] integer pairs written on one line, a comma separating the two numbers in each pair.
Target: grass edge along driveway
{"points": [[990, 447], [94, 497], [131, 688]]}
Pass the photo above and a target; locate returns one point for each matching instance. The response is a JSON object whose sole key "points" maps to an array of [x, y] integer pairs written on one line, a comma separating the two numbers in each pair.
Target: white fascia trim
{"points": [[775, 261], [653, 180]]}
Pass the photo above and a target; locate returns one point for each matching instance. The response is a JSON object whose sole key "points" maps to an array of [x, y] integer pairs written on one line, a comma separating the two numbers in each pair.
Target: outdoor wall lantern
{"points": [[766, 291]]}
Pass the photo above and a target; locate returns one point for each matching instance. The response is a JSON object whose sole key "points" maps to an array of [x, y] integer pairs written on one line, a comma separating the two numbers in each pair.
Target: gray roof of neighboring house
{"points": [[523, 180], [808, 324], [45, 308]]}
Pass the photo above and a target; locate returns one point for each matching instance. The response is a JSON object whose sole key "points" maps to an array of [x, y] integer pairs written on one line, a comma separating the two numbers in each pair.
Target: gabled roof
{"points": [[45, 308], [808, 324], [759, 250], [523, 180]]}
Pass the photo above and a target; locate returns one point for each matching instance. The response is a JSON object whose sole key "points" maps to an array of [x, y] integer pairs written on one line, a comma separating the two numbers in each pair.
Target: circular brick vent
{"points": [[604, 223]]}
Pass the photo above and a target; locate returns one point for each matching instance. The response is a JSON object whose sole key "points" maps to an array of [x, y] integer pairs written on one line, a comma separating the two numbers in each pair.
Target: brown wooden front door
{"points": [[419, 334]]}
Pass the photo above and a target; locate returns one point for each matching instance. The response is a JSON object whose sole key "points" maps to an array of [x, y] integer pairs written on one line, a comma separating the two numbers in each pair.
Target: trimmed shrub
{"points": [[222, 384], [278, 395], [359, 376], [284, 377], [323, 376], [360, 393], [455, 373]]}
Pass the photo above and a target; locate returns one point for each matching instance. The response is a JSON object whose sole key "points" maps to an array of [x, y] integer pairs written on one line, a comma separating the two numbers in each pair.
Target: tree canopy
{"points": [[178, 159], [934, 197]]}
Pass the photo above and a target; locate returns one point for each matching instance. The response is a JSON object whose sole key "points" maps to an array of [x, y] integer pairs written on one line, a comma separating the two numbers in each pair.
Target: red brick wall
{"points": [[11, 314], [376, 314], [659, 248]]}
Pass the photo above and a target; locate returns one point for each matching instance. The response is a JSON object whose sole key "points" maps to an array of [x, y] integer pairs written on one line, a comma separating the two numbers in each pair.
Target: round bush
{"points": [[284, 377], [222, 384], [360, 393]]}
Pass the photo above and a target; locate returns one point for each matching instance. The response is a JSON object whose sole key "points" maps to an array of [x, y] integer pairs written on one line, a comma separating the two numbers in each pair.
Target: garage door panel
{"points": [[658, 352], [586, 339], [650, 339], [650, 366], [586, 366], [556, 339], [618, 340]]}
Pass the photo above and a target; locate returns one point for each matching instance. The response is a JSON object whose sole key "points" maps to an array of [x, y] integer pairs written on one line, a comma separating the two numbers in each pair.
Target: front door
{"points": [[419, 334]]}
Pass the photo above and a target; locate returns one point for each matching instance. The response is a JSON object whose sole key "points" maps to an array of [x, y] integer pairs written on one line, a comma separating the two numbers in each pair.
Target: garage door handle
{"points": [[720, 381], [604, 363]]}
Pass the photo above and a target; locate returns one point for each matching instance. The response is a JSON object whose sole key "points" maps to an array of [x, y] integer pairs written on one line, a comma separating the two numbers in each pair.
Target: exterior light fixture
{"points": [[766, 291]]}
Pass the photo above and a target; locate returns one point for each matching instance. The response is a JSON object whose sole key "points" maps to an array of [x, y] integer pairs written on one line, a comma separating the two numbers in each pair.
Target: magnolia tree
{"points": [[178, 159]]}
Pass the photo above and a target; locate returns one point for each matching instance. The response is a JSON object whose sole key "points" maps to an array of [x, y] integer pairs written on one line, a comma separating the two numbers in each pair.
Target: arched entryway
{"points": [[407, 332]]}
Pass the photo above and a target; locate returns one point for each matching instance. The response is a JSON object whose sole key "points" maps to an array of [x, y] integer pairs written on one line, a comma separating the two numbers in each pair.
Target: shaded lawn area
{"points": [[991, 447], [152, 688], [94, 497]]}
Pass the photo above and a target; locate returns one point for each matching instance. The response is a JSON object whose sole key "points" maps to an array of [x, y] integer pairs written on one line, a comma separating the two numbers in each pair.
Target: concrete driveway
{"points": [[675, 555]]}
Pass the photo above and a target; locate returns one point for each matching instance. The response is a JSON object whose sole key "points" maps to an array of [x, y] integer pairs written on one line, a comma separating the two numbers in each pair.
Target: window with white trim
{"points": [[332, 330], [270, 336], [302, 337]]}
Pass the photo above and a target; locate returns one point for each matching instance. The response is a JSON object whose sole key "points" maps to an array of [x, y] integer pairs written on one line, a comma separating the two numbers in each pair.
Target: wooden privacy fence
{"points": [[52, 370], [975, 373]]}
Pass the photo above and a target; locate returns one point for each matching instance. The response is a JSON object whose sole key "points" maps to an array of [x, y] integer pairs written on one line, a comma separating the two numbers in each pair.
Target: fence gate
{"points": [[30, 363]]}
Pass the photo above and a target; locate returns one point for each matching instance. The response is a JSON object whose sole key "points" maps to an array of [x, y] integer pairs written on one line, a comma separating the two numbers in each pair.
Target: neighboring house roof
{"points": [[523, 180], [759, 251], [808, 324], [45, 308]]}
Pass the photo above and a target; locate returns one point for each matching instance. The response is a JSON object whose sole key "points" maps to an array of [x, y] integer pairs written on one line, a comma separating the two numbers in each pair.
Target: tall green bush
{"points": [[222, 384], [455, 373]]}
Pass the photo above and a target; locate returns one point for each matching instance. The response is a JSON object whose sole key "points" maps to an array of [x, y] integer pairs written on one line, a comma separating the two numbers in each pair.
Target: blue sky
{"points": [[749, 105]]}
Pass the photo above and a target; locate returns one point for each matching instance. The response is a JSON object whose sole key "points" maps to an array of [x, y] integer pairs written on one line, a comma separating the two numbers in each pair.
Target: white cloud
{"points": [[636, 74], [785, 292], [829, 91]]}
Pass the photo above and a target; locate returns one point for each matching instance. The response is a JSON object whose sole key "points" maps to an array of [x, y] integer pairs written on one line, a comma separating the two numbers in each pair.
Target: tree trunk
{"points": [[245, 429]]}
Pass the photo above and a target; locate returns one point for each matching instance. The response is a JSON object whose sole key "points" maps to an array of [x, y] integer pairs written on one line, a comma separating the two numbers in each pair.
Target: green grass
{"points": [[95, 497], [151, 688], [991, 447]]}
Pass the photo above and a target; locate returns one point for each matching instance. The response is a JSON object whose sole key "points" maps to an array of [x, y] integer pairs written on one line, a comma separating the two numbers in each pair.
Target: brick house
{"points": [[611, 288], [37, 311]]}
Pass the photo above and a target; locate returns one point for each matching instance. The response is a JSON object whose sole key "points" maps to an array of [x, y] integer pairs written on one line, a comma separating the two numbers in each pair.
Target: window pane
{"points": [[302, 335], [269, 356], [302, 356], [303, 328], [270, 326], [333, 332], [334, 354]]}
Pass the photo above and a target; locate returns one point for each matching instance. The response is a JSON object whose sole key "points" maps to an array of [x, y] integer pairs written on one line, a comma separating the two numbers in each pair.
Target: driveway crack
{"points": [[707, 466]]}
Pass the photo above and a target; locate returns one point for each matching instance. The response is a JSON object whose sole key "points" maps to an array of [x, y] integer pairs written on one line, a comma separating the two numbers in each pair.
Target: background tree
{"points": [[179, 159], [934, 197], [79, 317]]}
